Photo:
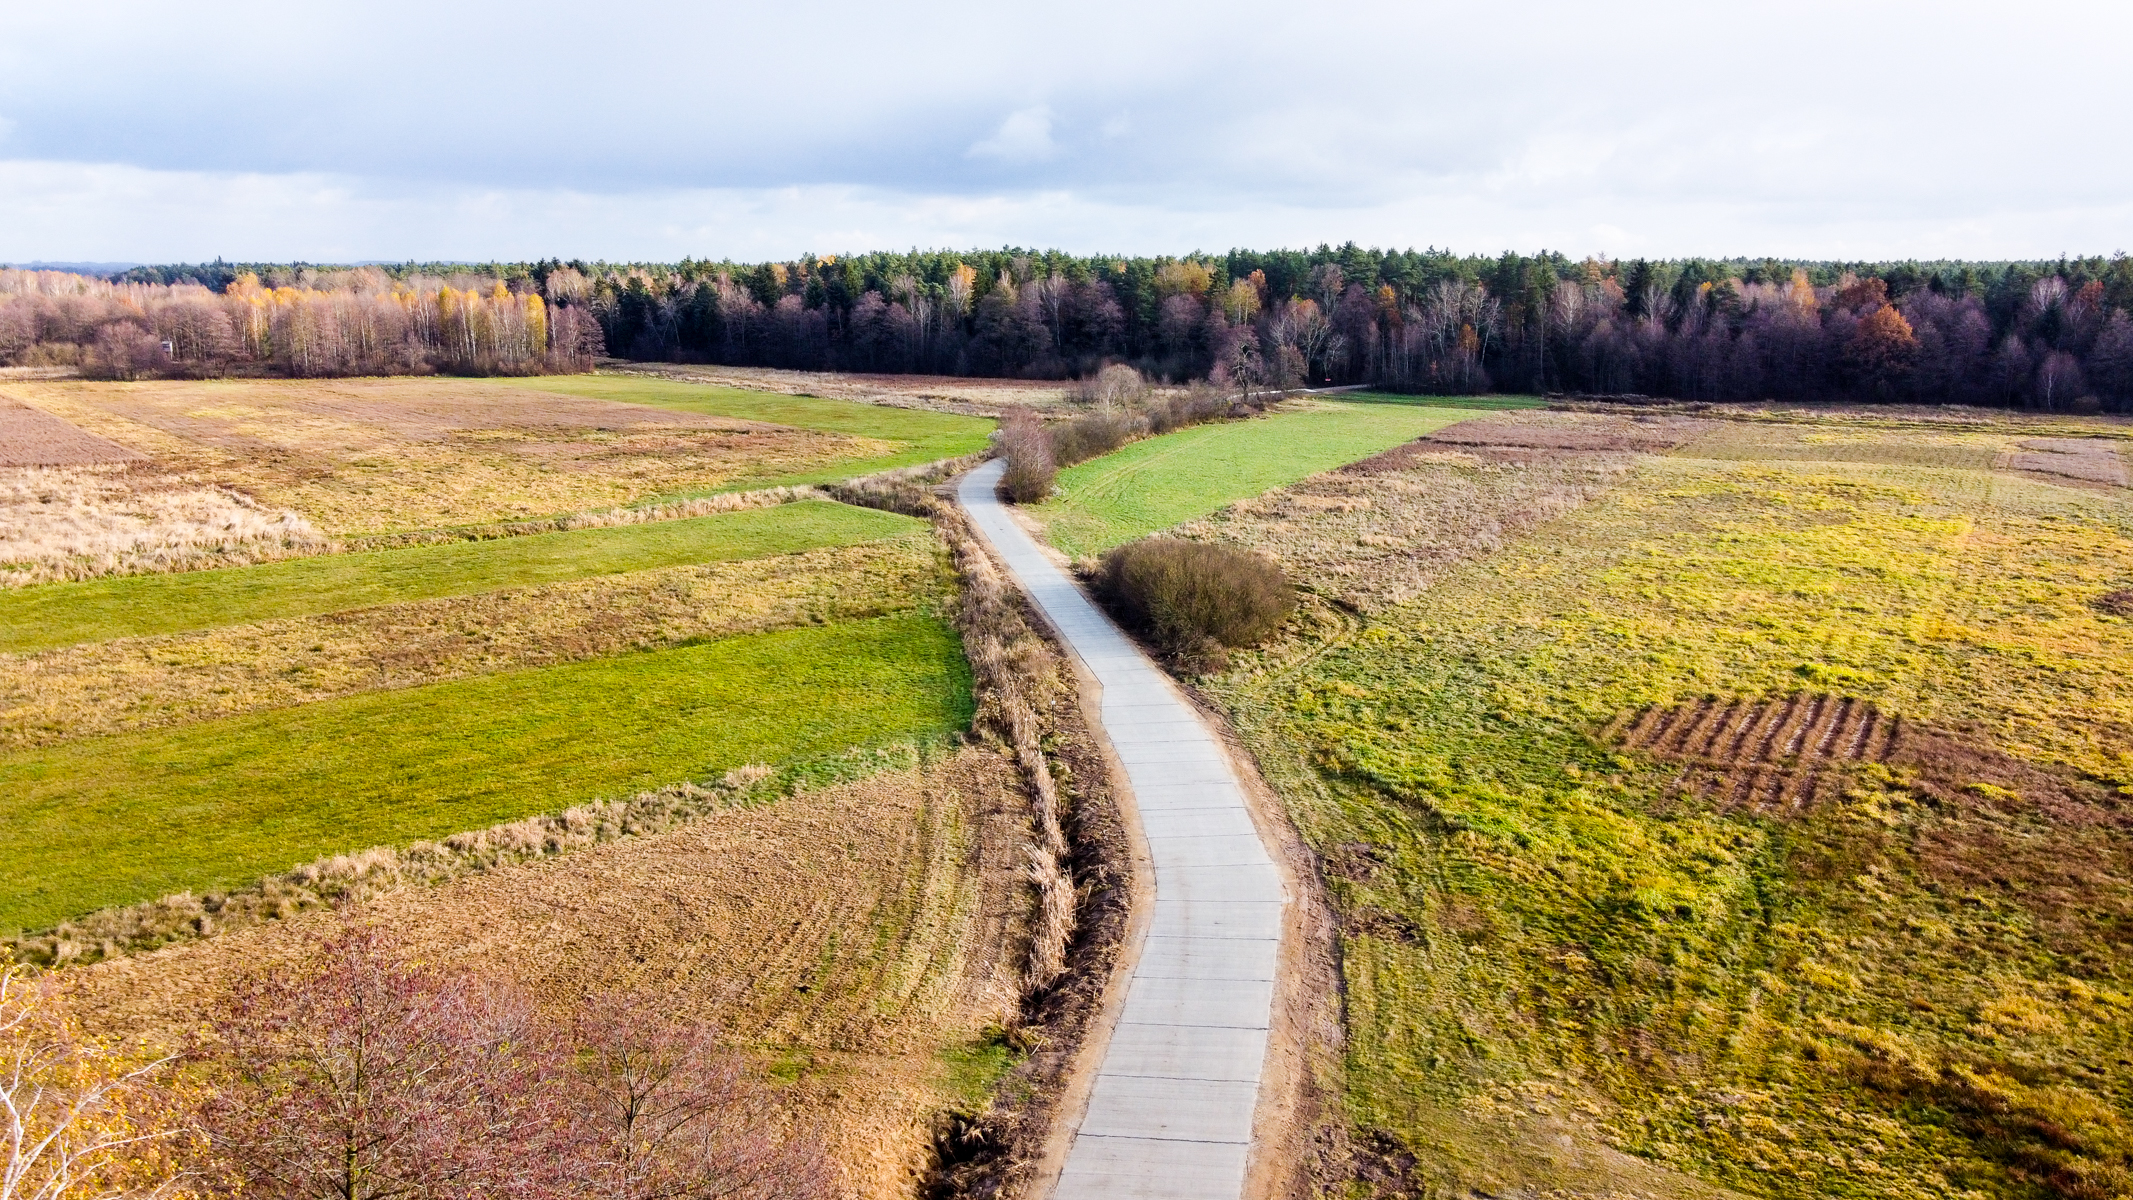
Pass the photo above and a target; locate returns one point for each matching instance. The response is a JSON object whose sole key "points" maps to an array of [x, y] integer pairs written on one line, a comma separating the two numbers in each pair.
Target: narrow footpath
{"points": [[1171, 1112]]}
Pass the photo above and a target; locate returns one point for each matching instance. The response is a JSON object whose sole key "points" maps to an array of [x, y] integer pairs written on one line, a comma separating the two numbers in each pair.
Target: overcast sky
{"points": [[391, 129]]}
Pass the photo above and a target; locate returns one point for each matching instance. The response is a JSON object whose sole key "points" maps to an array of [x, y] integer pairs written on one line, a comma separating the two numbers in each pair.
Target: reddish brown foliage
{"points": [[358, 1076]]}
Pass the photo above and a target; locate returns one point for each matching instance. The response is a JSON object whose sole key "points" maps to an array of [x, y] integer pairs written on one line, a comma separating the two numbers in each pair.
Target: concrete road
{"points": [[1171, 1112]]}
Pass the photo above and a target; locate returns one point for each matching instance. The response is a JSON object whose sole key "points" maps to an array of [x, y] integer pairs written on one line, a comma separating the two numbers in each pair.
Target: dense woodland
{"points": [[2046, 335], [348, 322]]}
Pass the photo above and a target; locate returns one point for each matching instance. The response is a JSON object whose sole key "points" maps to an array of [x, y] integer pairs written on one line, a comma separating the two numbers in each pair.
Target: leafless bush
{"points": [[1117, 385], [359, 1075], [1195, 597], [123, 350], [1197, 405], [76, 1119], [1027, 447], [1096, 433]]}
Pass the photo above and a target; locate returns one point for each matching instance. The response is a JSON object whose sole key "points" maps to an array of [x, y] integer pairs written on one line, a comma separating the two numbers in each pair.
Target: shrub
{"points": [[1197, 406], [1117, 384], [1027, 447], [1195, 597], [1093, 434]]}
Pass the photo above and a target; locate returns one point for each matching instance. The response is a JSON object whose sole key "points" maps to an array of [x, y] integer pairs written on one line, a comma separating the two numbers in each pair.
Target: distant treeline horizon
{"points": [[2046, 334]]}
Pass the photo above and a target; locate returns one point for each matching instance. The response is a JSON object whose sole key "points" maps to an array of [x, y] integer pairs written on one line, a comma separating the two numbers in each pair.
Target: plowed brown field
{"points": [[31, 437]]}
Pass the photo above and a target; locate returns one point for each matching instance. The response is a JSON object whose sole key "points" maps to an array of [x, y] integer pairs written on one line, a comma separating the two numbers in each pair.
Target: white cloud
{"points": [[1024, 137], [1161, 127]]}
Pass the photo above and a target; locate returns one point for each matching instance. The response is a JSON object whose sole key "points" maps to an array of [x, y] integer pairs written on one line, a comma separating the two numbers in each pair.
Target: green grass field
{"points": [[139, 605], [1904, 989], [923, 436], [1164, 481], [126, 818]]}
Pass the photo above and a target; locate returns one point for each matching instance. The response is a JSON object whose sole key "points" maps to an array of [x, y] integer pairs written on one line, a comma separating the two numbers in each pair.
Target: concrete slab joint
{"points": [[1171, 1111]]}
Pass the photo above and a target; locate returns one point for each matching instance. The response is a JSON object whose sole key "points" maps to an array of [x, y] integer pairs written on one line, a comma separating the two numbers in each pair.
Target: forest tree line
{"points": [[2047, 335], [312, 323]]}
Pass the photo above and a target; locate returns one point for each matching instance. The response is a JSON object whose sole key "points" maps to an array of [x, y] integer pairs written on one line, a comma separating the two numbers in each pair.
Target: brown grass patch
{"points": [[1524, 437], [59, 523], [846, 937], [940, 393], [1782, 755], [2091, 460], [1382, 531], [377, 455], [31, 437], [2117, 604], [143, 683]]}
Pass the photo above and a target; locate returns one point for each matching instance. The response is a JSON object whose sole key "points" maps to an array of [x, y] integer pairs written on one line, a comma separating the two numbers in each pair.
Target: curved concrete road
{"points": [[1171, 1111]]}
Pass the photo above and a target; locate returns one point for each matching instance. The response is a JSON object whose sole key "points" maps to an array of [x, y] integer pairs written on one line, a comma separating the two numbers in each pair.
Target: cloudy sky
{"points": [[392, 129]]}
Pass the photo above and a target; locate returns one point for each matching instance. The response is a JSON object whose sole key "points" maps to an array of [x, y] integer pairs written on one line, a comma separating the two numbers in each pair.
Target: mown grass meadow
{"points": [[1162, 481], [118, 819], [141, 605]]}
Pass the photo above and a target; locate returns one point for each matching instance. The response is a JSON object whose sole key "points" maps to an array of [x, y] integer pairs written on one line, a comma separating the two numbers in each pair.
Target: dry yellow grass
{"points": [[849, 937], [1380, 532], [941, 393], [78, 522], [143, 683], [376, 455]]}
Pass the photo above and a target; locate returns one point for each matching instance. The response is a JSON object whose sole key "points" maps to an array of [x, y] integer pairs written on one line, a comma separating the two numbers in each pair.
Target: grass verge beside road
{"points": [[1163, 481], [126, 818], [139, 605]]}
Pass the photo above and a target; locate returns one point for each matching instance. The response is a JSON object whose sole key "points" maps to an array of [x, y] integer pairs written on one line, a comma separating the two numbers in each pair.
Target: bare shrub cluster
{"points": [[1195, 598], [358, 1074], [82, 522], [1127, 410], [1027, 448]]}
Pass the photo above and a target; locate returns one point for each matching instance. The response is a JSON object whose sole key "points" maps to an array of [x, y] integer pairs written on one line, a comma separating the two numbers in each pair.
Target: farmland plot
{"points": [[1731, 805]]}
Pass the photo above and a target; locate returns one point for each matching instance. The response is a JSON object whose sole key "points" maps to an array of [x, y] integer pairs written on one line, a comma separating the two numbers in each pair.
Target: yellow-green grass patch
{"points": [[62, 614], [1887, 993], [1162, 481], [115, 820]]}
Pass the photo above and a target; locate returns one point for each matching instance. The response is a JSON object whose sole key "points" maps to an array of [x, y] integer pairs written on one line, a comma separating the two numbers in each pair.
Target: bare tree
{"points": [[76, 1121], [357, 1077], [669, 1116]]}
